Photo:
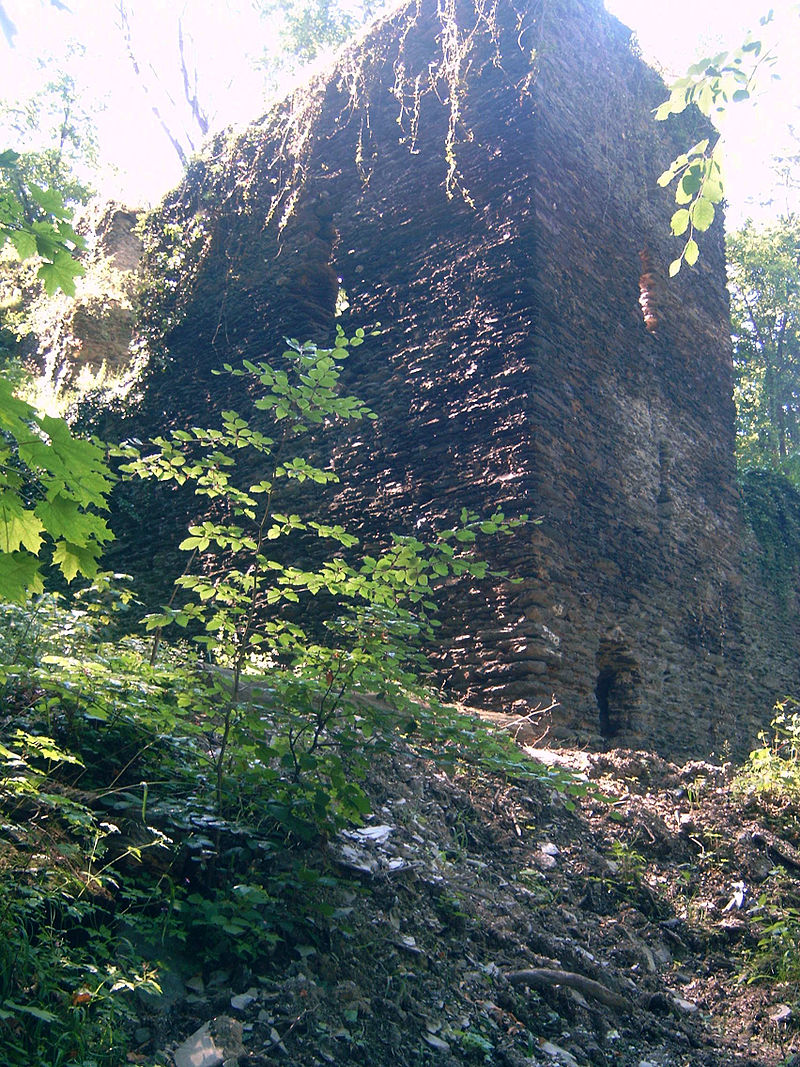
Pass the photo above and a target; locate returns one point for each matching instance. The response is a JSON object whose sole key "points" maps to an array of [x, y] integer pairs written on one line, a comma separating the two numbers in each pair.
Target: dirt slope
{"points": [[636, 918]]}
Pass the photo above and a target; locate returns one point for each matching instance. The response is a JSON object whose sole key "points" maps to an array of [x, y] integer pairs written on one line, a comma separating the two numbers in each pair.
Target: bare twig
{"points": [[190, 91], [7, 26], [528, 719], [126, 33]]}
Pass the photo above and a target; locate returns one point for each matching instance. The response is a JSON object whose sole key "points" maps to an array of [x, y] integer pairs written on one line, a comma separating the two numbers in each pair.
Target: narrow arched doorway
{"points": [[617, 690]]}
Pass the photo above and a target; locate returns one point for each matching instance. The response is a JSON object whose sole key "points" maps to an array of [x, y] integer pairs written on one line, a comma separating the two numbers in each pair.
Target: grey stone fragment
{"points": [[204, 1049], [544, 861], [687, 1006], [436, 1042], [244, 1000], [199, 1050], [782, 1014], [560, 1055]]}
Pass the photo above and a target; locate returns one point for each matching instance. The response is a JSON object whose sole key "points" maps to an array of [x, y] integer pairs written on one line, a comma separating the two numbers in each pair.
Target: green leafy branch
{"points": [[377, 608], [711, 85], [37, 223], [52, 486], [699, 190]]}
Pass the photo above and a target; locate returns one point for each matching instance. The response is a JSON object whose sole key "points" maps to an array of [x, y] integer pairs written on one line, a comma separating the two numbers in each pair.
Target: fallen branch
{"points": [[543, 978], [528, 720], [782, 850]]}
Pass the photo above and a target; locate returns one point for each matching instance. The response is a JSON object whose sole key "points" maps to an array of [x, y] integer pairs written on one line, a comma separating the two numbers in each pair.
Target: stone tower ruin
{"points": [[481, 180]]}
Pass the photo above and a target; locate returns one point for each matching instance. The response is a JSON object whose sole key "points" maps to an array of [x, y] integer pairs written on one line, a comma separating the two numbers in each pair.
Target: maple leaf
{"points": [[61, 273], [63, 517], [18, 528], [19, 577], [73, 560]]}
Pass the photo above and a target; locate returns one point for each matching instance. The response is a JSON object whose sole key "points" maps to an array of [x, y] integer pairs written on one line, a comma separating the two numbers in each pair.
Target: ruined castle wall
{"points": [[502, 254], [636, 438]]}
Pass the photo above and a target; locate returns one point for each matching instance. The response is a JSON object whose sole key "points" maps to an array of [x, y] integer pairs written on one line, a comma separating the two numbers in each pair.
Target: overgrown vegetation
{"points": [[765, 329], [766, 344], [769, 784], [154, 795], [120, 838], [772, 508], [773, 768]]}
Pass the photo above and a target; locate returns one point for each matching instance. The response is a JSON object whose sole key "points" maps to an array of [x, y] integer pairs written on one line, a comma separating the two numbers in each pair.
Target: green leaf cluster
{"points": [[700, 187], [773, 768], [47, 233], [710, 85], [769, 786], [716, 81], [52, 486]]}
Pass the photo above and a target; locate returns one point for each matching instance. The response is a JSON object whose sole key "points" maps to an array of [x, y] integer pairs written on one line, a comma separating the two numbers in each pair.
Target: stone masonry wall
{"points": [[489, 196]]}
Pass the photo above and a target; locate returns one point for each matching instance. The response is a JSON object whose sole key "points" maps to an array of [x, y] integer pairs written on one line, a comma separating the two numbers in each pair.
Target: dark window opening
{"points": [[605, 682]]}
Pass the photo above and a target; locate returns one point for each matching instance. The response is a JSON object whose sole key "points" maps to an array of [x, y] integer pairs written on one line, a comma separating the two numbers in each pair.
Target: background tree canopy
{"points": [[764, 265], [57, 133]]}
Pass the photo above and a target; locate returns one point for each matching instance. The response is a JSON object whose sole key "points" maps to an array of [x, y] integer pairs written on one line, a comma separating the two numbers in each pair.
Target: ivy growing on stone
{"points": [[772, 507]]}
